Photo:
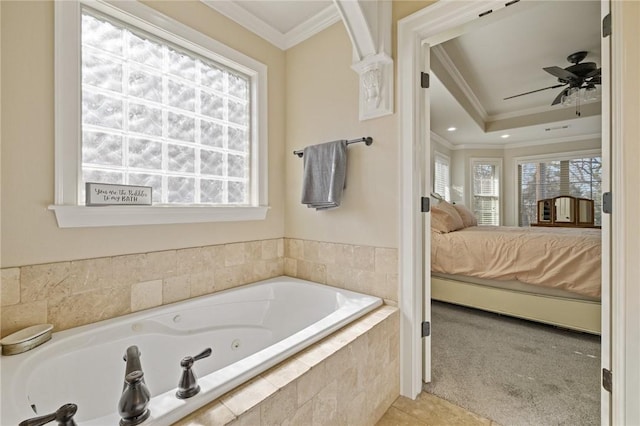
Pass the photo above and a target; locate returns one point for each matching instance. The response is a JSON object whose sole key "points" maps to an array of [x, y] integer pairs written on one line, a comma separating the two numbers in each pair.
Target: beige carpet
{"points": [[512, 371]]}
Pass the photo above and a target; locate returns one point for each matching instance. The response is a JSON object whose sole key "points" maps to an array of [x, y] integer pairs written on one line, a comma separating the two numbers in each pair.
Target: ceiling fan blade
{"points": [[594, 73], [534, 91], [561, 73], [558, 98], [595, 80]]}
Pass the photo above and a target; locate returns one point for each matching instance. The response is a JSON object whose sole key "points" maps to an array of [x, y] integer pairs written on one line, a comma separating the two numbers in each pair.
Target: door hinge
{"points": [[607, 203], [426, 328], [424, 80], [607, 380], [424, 204], [606, 26]]}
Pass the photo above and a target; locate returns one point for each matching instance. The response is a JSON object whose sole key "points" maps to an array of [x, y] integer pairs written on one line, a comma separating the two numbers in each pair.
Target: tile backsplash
{"points": [[365, 269], [70, 294]]}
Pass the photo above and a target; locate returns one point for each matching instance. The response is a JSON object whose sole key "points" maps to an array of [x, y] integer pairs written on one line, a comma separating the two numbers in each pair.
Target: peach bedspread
{"points": [[565, 258]]}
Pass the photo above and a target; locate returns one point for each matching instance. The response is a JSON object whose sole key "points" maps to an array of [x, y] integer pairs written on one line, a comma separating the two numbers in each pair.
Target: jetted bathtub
{"points": [[249, 329]]}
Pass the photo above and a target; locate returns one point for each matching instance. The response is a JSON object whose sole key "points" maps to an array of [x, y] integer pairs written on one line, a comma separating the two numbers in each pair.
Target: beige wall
{"points": [[461, 192], [29, 231], [322, 105], [321, 94]]}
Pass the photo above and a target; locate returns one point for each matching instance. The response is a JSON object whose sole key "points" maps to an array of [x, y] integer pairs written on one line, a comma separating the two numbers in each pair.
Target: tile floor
{"points": [[429, 410]]}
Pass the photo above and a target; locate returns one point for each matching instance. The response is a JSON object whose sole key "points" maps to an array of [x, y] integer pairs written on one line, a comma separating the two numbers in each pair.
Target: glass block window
{"points": [[159, 115], [485, 197], [580, 177]]}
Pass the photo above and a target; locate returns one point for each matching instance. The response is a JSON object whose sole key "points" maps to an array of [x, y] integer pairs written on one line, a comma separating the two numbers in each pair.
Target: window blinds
{"points": [[441, 176], [579, 177], [486, 192]]}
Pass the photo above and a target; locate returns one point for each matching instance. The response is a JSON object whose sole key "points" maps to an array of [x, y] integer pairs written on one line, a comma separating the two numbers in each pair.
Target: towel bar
{"points": [[368, 140]]}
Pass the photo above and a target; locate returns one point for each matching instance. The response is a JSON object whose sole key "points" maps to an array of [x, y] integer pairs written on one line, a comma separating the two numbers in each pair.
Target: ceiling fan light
{"points": [[590, 93], [570, 96]]}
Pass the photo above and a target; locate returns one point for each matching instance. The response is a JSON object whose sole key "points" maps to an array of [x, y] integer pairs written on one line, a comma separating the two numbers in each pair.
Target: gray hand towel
{"points": [[325, 170]]}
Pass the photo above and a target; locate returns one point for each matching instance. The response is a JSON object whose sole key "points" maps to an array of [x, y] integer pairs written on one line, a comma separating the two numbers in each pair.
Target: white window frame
{"points": [[68, 107], [498, 163], [438, 156], [560, 156]]}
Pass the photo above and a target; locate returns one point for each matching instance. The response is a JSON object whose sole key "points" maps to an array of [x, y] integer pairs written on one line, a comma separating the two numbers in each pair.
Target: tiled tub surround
{"points": [[365, 269], [250, 329], [70, 294], [350, 378]]}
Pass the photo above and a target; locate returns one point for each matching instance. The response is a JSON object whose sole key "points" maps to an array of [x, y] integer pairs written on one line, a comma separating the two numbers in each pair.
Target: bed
{"points": [[549, 275]]}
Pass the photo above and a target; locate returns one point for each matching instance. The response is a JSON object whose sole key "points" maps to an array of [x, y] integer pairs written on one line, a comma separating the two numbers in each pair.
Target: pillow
{"points": [[445, 218], [468, 219]]}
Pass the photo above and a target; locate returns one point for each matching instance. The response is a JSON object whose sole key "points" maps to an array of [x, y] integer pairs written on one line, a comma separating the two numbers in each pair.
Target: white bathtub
{"points": [[250, 329]]}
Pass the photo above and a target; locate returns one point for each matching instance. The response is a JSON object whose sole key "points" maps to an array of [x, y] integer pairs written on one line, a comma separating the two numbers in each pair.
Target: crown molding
{"points": [[442, 141], [457, 77], [325, 18], [248, 20], [312, 26]]}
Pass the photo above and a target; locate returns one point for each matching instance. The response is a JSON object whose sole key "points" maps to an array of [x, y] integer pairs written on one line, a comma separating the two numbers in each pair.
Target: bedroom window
{"points": [[578, 175], [158, 104], [485, 186], [441, 175]]}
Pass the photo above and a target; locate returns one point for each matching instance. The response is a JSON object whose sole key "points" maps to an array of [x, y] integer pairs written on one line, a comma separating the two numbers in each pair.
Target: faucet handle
{"points": [[134, 400], [188, 385], [187, 361], [63, 415]]}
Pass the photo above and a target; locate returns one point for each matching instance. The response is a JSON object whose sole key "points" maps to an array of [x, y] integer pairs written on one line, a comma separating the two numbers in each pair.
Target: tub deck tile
{"points": [[250, 418], [248, 395], [217, 414], [306, 389], [310, 383], [286, 372], [279, 406]]}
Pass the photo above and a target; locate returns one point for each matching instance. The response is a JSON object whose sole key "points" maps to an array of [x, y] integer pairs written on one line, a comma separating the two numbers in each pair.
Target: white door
{"points": [[426, 223], [605, 357]]}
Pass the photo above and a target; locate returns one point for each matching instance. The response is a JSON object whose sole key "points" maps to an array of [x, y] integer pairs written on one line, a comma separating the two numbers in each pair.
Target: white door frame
{"points": [[605, 298], [413, 103], [625, 177]]}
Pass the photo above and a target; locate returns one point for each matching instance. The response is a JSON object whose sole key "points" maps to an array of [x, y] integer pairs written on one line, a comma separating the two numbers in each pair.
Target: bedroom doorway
{"points": [[417, 34]]}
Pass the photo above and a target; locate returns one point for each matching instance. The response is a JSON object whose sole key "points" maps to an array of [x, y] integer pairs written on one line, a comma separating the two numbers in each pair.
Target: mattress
{"points": [[566, 259]]}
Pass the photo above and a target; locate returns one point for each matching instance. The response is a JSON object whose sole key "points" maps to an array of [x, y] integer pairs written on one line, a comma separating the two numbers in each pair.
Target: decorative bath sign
{"points": [[106, 194]]}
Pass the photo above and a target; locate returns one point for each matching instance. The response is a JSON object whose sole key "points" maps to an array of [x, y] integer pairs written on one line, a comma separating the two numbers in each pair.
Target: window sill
{"points": [[82, 216]]}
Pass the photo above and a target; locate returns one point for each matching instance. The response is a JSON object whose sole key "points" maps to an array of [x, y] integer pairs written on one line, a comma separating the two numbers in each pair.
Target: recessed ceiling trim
{"points": [[312, 26], [478, 146], [531, 111], [283, 41], [575, 138], [457, 77], [524, 144], [442, 141]]}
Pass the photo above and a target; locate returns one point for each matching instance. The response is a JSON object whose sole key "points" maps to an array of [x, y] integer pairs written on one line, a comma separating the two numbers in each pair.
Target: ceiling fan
{"points": [[578, 76]]}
